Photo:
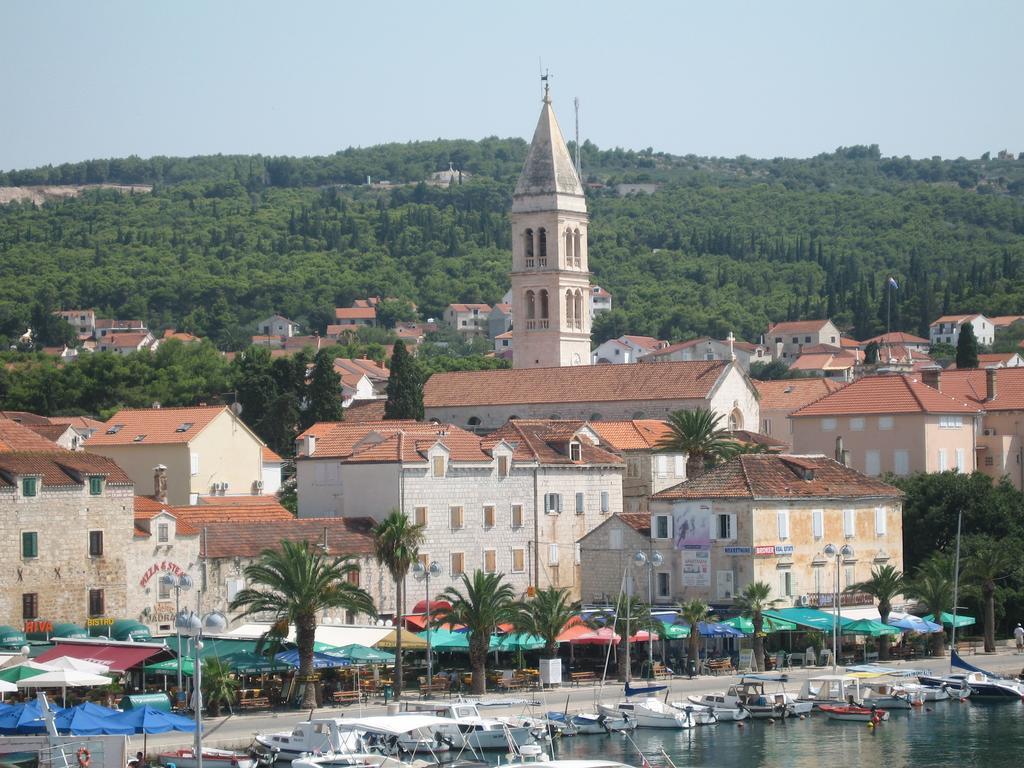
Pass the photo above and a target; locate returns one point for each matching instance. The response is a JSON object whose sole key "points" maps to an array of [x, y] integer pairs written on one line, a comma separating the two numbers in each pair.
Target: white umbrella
{"points": [[78, 665], [64, 679], [6, 687]]}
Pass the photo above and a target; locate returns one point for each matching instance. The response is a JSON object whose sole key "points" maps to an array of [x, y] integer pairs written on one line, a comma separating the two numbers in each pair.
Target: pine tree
{"points": [[323, 393], [405, 386], [967, 347]]}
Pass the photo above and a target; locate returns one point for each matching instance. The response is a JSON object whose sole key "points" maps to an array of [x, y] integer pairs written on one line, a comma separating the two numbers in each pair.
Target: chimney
{"points": [[845, 460], [839, 449], [932, 377], [990, 384], [306, 445], [160, 483]]}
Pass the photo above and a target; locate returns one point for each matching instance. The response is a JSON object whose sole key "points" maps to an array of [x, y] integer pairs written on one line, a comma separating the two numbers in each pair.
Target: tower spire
{"points": [[544, 79]]}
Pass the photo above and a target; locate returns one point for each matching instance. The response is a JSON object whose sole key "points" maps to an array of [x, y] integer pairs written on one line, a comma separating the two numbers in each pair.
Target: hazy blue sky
{"points": [[100, 79]]}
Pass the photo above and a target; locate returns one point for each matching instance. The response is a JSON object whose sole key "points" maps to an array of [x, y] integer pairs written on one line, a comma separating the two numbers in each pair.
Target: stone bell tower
{"points": [[550, 277]]}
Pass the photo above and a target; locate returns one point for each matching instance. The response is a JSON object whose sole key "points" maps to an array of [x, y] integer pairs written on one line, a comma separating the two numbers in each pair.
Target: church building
{"points": [[550, 278]]}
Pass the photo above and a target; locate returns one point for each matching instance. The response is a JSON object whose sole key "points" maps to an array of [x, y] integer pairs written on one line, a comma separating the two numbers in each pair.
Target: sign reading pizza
{"points": [[165, 566]]}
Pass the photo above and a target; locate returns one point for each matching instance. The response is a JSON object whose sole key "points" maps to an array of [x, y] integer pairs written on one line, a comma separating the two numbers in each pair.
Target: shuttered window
{"points": [[880, 521], [818, 523], [849, 523], [490, 561]]}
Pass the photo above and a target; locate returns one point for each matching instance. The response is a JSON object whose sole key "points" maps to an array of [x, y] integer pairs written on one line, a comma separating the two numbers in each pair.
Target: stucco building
{"points": [[946, 329], [648, 470], [706, 348], [756, 518], [779, 398], [787, 340]]}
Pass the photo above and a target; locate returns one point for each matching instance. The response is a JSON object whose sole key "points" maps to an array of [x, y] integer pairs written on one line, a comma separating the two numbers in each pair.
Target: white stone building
{"points": [[277, 325], [648, 470], [787, 340], [490, 503], [946, 330], [706, 348]]}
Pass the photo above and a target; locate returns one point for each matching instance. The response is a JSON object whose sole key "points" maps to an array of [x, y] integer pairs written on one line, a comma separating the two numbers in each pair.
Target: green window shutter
{"points": [[28, 486], [29, 544], [95, 486]]}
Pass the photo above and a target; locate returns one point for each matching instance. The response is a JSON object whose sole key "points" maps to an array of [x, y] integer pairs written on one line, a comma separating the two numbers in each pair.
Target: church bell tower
{"points": [[550, 278]]}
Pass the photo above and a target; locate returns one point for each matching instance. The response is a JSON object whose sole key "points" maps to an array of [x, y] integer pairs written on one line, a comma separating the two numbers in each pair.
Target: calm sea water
{"points": [[971, 734]]}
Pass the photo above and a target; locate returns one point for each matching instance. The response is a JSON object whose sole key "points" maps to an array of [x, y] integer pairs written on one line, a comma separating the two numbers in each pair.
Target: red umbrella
{"points": [[601, 636]]}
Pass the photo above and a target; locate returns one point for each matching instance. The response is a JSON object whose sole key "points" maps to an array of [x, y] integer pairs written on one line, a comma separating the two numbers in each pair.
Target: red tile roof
{"points": [[345, 536], [25, 417], [256, 509], [146, 508], [690, 380], [362, 411], [824, 361], [790, 394], [391, 441], [972, 386], [886, 394], [270, 456], [81, 422], [647, 342], [638, 521], [159, 425], [547, 442], [359, 367], [780, 476], [63, 469], [797, 326], [127, 340], [52, 432], [896, 337], [632, 435], [956, 318], [355, 313], [1002, 321], [16, 437]]}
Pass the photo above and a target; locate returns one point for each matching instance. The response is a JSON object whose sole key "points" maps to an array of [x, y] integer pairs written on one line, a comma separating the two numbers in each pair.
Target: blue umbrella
{"points": [[22, 718], [717, 629], [146, 719], [84, 719], [913, 623], [320, 660]]}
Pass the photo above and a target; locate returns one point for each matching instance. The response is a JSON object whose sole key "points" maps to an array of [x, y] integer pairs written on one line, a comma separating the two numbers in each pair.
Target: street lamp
{"points": [[178, 584], [654, 560], [844, 552], [423, 573], [191, 624]]}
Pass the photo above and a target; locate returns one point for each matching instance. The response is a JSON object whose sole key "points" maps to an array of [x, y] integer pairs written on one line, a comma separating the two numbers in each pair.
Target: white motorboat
{"points": [[754, 694], [929, 693], [701, 714], [220, 758], [716, 702], [472, 729], [836, 690], [357, 740], [588, 723], [531, 756], [649, 713]]}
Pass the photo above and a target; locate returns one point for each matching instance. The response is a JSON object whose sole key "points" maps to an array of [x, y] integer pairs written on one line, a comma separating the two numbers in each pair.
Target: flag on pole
{"points": [[891, 283]]}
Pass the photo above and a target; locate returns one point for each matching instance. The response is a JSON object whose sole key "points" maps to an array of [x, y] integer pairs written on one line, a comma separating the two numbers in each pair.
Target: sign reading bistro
{"points": [[155, 568]]}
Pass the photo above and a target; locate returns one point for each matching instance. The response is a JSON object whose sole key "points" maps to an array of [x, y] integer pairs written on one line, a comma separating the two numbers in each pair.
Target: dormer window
{"points": [[138, 438], [437, 465], [115, 429], [503, 466], [95, 485], [575, 451], [28, 486], [184, 427]]}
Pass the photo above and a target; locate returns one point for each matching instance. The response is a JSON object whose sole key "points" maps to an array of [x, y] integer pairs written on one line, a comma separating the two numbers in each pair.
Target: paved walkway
{"points": [[236, 731]]}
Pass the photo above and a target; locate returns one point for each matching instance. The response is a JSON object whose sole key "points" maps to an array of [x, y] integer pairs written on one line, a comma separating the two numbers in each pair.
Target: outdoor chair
{"points": [[825, 659], [809, 657]]}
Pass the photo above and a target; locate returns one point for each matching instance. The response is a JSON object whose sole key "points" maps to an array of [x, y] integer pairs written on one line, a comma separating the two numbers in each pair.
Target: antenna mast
{"points": [[579, 170]]}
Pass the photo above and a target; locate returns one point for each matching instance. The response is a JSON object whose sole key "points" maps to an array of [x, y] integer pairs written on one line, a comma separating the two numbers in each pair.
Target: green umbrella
{"points": [[170, 667], [745, 625], [517, 641], [870, 628], [674, 631], [361, 654], [446, 640], [22, 672], [947, 619], [251, 663]]}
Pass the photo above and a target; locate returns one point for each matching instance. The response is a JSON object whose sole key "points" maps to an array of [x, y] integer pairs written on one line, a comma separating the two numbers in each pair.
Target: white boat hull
{"points": [[724, 714], [649, 716], [215, 758]]}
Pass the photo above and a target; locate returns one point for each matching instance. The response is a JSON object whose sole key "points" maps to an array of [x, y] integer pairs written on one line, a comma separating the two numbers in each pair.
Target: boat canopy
{"points": [[394, 725]]}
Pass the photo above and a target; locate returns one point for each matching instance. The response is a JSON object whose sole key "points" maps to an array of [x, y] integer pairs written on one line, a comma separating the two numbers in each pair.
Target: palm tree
{"points": [[632, 615], [484, 602], [295, 583], [752, 602], [546, 615], [219, 684], [396, 544], [693, 613], [988, 561], [699, 435], [884, 585], [933, 587]]}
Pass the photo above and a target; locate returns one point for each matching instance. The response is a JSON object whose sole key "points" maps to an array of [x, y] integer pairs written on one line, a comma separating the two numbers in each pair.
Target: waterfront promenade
{"points": [[237, 730]]}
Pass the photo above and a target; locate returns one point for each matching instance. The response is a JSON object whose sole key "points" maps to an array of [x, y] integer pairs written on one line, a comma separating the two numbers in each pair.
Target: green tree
{"points": [[966, 347], [219, 684], [392, 311], [699, 435], [295, 584], [692, 613], [871, 353], [989, 562], [632, 615], [405, 387], [752, 602], [932, 585], [546, 615], [323, 394], [885, 584], [396, 544], [484, 601]]}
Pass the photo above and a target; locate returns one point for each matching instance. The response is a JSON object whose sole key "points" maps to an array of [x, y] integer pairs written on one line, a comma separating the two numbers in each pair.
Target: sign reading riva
{"points": [[156, 568]]}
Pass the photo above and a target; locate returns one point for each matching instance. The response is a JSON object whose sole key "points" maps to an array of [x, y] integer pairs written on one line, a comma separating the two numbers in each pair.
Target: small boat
{"points": [[751, 694], [831, 689], [700, 714], [649, 713], [347, 741], [716, 703], [929, 694], [222, 758], [471, 729], [854, 713], [590, 724], [532, 756], [886, 695]]}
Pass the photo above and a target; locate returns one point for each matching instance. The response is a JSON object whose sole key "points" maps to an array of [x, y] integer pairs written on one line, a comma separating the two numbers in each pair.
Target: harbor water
{"points": [[944, 733]]}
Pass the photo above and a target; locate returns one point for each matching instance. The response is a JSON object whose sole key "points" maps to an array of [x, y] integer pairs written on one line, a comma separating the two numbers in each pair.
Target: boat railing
{"points": [[65, 753]]}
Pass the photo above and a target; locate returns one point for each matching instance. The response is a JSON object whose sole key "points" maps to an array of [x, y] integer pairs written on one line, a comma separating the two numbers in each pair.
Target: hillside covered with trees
{"points": [[724, 244]]}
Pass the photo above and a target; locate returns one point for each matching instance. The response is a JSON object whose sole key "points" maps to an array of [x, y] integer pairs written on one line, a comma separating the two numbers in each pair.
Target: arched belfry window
{"points": [[577, 257], [528, 247], [543, 304], [578, 309], [568, 247], [570, 306], [531, 305], [542, 246]]}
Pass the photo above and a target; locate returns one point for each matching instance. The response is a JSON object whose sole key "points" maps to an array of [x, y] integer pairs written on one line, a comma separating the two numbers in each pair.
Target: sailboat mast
{"points": [[956, 589]]}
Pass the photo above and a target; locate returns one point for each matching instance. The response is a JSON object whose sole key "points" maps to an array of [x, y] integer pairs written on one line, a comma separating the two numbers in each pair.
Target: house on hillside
{"points": [[786, 340], [706, 348], [277, 325], [355, 316], [361, 379], [468, 319], [946, 330], [600, 301], [127, 342], [626, 349], [778, 399]]}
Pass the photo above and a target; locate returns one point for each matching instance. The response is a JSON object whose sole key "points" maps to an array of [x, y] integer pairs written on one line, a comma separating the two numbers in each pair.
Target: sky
{"points": [[110, 78]]}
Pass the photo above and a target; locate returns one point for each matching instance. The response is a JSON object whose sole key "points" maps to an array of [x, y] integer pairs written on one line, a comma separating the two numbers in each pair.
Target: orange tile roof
{"points": [[63, 468], [345, 536], [647, 342], [159, 425], [25, 417], [127, 339], [362, 411], [780, 476], [82, 422], [631, 435], [638, 521], [1002, 321], [391, 441], [797, 326], [182, 336], [147, 507], [52, 432], [790, 394], [896, 337], [546, 441], [973, 386], [16, 437], [360, 367], [469, 307], [690, 380], [886, 394], [956, 318], [220, 510], [824, 361], [269, 455], [355, 313]]}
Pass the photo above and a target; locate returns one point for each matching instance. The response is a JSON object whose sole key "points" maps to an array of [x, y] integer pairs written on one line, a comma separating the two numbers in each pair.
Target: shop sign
{"points": [[99, 621], [39, 626], [738, 550], [773, 549], [156, 568]]}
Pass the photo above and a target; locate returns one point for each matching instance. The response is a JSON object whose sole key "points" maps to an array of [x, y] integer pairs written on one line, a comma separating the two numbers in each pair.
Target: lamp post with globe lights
{"points": [[652, 561], [423, 573], [178, 584], [844, 552], [192, 624]]}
